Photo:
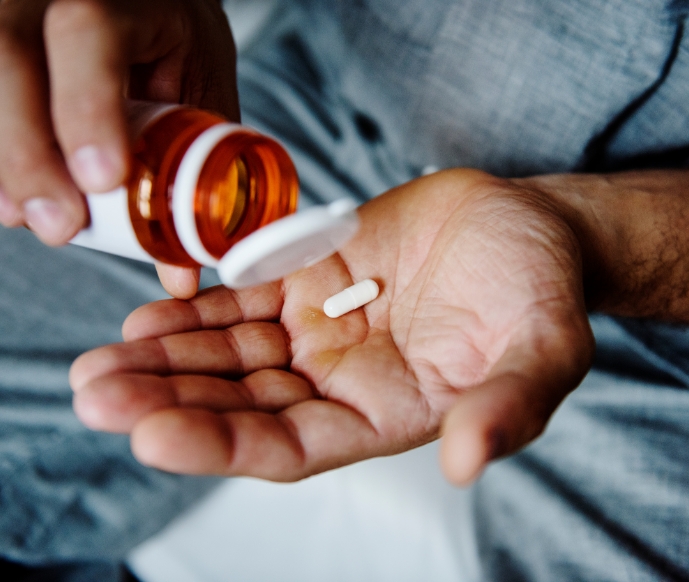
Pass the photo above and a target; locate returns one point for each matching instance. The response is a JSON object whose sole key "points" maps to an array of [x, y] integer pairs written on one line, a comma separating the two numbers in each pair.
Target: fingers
{"points": [[238, 351], [63, 65], [116, 403], [87, 60], [180, 282], [305, 439], [481, 427], [310, 435], [182, 424], [36, 186], [513, 405], [213, 308]]}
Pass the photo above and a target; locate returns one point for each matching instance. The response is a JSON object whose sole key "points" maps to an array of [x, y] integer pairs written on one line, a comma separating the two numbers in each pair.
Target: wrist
{"points": [[582, 202], [633, 230]]}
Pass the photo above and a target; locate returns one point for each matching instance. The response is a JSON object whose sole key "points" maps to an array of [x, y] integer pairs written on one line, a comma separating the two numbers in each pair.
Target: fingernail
{"points": [[96, 169], [8, 210], [47, 219]]}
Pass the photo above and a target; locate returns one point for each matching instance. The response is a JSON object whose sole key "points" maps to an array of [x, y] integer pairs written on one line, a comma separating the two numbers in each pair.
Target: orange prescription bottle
{"points": [[198, 186]]}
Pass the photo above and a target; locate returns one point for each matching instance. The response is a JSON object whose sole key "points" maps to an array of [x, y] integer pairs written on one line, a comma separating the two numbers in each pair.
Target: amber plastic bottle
{"points": [[197, 185]]}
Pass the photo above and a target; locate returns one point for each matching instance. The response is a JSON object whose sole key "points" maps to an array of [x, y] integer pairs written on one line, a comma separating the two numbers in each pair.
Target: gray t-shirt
{"points": [[511, 86]]}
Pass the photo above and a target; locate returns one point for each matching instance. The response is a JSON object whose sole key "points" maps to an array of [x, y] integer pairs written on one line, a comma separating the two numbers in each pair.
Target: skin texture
{"points": [[479, 332], [481, 304], [65, 68], [633, 228]]}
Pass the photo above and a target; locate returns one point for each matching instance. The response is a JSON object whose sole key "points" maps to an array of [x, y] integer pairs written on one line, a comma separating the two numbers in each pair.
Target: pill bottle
{"points": [[202, 191], [197, 185]]}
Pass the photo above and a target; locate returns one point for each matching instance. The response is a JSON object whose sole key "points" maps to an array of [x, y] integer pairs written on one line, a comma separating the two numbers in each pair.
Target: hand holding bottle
{"points": [[66, 67]]}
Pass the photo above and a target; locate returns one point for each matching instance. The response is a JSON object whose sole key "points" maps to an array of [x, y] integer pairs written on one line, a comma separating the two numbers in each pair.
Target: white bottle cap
{"points": [[289, 244]]}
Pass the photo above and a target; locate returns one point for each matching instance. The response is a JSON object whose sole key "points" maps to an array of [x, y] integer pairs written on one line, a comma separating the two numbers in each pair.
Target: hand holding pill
{"points": [[473, 337]]}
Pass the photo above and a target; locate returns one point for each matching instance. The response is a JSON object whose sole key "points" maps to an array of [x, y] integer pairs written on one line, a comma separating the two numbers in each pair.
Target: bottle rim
{"points": [[184, 190]]}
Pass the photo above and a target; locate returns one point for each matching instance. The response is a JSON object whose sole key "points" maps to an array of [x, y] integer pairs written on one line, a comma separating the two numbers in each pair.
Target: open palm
{"points": [[481, 311]]}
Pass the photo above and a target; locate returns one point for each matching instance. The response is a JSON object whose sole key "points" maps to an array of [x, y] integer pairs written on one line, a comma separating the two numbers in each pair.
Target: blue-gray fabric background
{"points": [[367, 94]]}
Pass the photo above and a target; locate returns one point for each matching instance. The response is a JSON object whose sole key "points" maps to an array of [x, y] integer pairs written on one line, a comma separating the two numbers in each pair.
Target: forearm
{"points": [[633, 228]]}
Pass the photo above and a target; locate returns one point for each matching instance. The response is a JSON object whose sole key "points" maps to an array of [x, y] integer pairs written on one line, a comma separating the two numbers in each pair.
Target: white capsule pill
{"points": [[351, 298]]}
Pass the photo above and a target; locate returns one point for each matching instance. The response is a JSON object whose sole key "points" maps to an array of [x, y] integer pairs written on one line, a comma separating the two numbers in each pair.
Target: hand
{"points": [[481, 321], [65, 68]]}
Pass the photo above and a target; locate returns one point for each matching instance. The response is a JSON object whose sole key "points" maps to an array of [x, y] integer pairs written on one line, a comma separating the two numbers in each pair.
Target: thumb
{"points": [[512, 406]]}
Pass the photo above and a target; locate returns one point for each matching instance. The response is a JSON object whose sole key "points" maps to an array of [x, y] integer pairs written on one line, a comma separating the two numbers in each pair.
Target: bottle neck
{"points": [[247, 181], [200, 184], [187, 200]]}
